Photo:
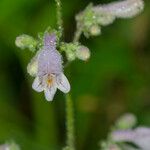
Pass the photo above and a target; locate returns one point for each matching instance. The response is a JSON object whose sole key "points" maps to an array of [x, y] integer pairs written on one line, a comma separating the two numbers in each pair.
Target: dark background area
{"points": [[114, 81]]}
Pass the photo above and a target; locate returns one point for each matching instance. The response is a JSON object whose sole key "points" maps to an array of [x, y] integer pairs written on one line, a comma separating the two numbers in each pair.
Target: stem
{"points": [[70, 123], [77, 35], [59, 17]]}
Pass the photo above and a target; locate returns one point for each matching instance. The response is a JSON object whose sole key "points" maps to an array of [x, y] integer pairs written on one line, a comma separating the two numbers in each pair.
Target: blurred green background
{"points": [[115, 80]]}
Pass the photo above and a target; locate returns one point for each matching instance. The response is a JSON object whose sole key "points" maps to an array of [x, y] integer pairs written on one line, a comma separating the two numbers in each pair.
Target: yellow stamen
{"points": [[49, 80]]}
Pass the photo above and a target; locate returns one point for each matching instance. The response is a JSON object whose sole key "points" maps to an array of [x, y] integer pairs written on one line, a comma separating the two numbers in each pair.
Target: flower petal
{"points": [[37, 85], [63, 83], [50, 92]]}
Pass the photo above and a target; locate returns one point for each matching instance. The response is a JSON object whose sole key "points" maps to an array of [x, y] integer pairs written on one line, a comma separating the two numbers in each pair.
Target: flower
{"points": [[50, 75], [139, 136], [93, 18], [32, 67], [120, 9]]}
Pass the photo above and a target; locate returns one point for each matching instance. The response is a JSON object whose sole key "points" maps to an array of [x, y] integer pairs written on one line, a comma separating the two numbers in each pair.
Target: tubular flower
{"points": [[50, 74]]}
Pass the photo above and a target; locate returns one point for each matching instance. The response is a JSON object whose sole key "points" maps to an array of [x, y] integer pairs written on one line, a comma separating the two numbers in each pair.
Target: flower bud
{"points": [[127, 121], [83, 53], [95, 30], [26, 41], [139, 136], [32, 67]]}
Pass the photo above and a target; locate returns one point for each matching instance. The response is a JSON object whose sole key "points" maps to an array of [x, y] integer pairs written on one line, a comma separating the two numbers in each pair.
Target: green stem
{"points": [[59, 17], [70, 123]]}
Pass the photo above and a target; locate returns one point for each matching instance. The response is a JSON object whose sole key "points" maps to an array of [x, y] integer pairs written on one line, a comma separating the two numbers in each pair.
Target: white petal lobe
{"points": [[49, 93], [63, 83], [37, 85]]}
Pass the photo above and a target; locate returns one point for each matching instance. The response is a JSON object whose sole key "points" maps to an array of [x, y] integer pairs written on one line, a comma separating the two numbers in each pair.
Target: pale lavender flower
{"points": [[121, 9], [139, 136], [50, 70], [113, 147], [9, 146]]}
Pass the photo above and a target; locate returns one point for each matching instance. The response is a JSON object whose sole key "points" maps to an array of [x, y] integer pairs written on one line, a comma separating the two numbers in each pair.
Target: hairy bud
{"points": [[83, 53], [26, 41]]}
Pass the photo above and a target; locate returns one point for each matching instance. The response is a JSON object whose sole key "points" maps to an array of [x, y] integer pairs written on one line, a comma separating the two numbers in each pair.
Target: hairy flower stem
{"points": [[77, 34], [70, 123], [59, 17]]}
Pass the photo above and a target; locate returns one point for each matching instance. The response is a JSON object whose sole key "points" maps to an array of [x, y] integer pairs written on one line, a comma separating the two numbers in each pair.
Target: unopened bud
{"points": [[32, 67], [26, 41], [4, 147], [127, 121], [83, 53], [9, 146]]}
